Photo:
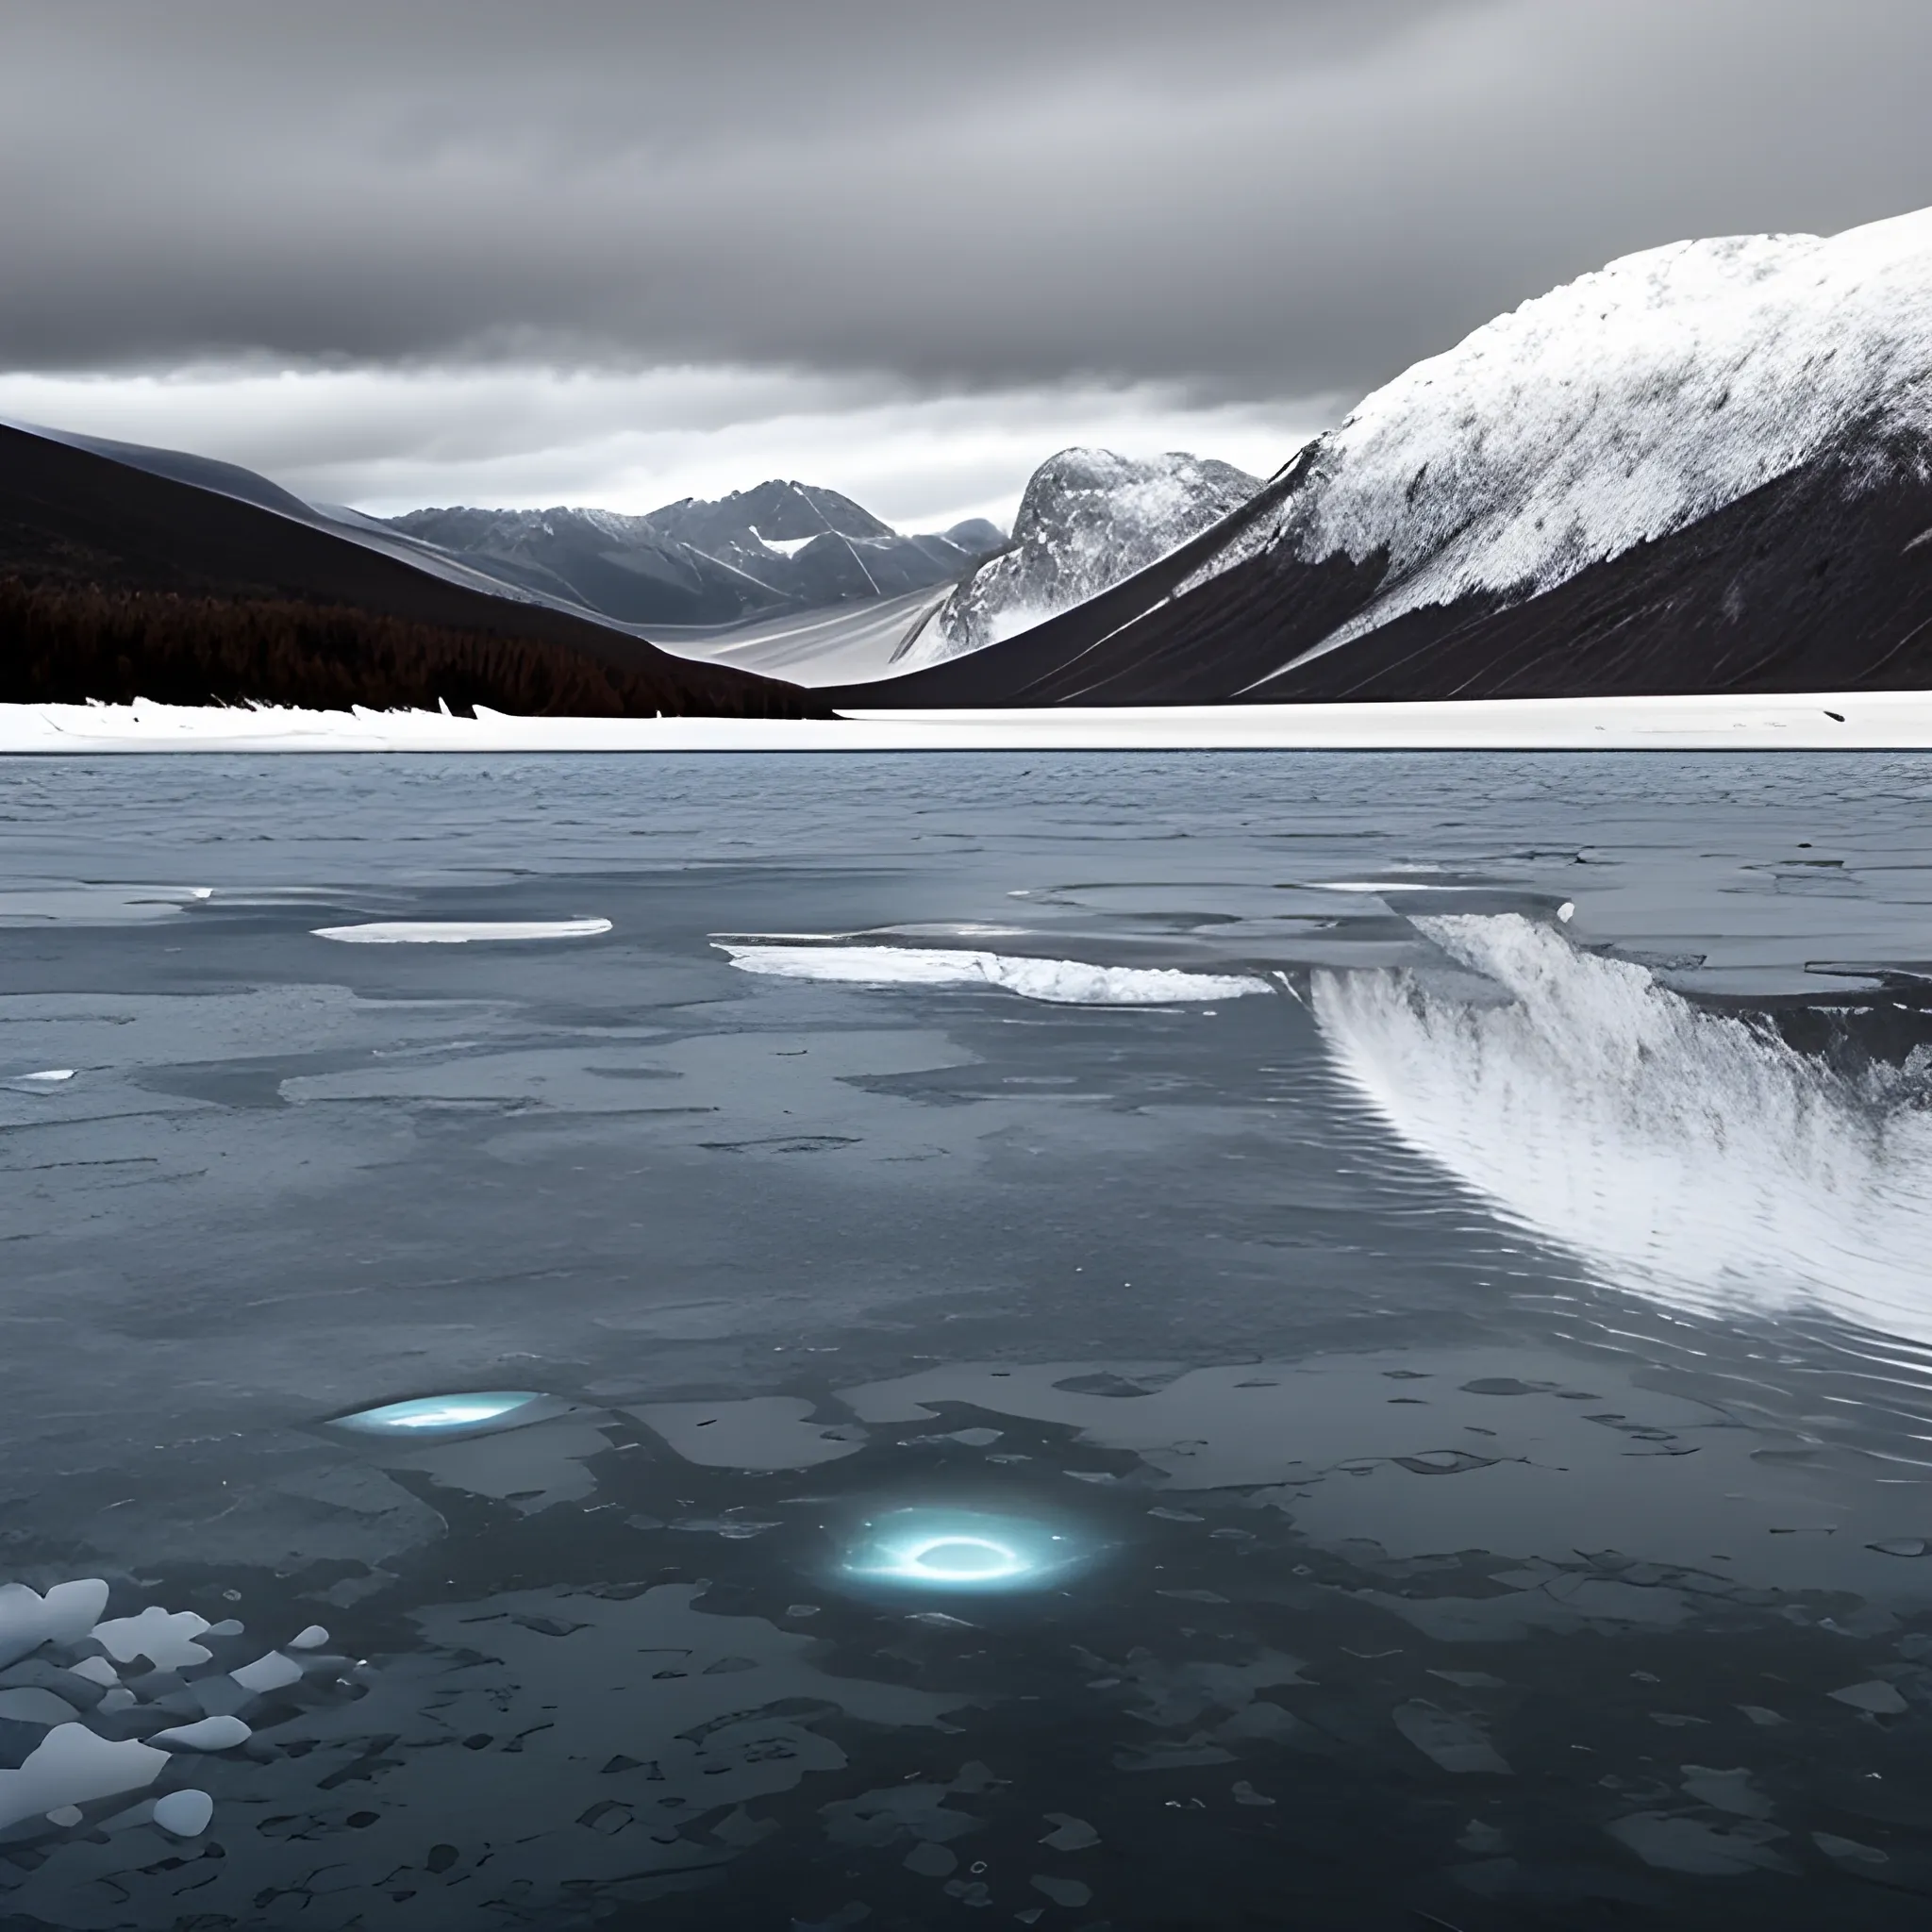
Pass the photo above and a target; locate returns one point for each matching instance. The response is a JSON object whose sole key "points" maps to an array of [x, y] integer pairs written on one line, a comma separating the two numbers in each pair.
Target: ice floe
{"points": [[164, 1638], [64, 1615], [1059, 982], [72, 1765], [460, 932]]}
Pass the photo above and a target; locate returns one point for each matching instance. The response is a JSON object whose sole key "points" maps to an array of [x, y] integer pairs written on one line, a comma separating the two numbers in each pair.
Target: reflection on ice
{"points": [[1689, 1155], [432, 1415], [958, 1550]]}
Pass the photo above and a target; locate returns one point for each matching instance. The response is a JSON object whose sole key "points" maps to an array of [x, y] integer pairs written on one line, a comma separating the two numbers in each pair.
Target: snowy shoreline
{"points": [[1866, 721]]}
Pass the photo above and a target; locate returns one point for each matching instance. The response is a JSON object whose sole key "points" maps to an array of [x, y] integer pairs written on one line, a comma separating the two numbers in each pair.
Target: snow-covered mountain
{"points": [[1088, 519], [1705, 467], [783, 547]]}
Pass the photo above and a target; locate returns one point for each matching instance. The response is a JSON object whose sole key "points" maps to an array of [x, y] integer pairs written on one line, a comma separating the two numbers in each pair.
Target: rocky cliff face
{"points": [[1088, 518]]}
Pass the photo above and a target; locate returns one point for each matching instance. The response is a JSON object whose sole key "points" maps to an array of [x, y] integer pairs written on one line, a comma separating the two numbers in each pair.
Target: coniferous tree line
{"points": [[66, 643]]}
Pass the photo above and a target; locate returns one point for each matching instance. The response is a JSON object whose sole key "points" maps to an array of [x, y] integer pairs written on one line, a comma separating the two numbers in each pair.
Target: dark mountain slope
{"points": [[73, 519], [1819, 581], [1705, 468]]}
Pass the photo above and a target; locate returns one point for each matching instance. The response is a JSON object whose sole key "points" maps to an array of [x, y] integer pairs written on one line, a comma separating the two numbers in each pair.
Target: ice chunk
{"points": [[185, 1814], [205, 1733], [71, 1766], [271, 1672], [459, 932], [98, 1670], [312, 1638], [165, 1638], [65, 1815], [51, 1076]]}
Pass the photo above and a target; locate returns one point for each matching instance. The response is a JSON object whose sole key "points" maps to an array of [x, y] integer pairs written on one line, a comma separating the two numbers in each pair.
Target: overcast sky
{"points": [[620, 251]]}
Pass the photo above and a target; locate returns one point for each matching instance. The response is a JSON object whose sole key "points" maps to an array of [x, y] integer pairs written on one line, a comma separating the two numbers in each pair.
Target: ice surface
{"points": [[1059, 982], [457, 932], [1767, 1181], [1620, 408], [71, 1766], [185, 1814], [762, 1432]]}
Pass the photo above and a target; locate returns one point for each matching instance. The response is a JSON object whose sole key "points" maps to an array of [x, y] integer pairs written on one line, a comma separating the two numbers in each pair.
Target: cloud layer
{"points": [[1233, 203]]}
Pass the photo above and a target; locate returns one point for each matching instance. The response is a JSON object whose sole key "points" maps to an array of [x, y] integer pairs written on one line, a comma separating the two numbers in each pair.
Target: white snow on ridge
{"points": [[459, 932], [1059, 982], [1620, 408]]}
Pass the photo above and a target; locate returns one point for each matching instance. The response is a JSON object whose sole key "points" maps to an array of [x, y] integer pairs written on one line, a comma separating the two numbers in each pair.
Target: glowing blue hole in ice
{"points": [[958, 1550], [435, 1415]]}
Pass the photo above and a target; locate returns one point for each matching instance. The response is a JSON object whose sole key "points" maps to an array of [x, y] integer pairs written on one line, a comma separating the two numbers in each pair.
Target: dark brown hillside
{"points": [[113, 563], [64, 645]]}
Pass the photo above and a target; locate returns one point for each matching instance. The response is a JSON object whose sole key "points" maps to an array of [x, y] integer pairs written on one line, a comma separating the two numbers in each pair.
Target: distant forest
{"points": [[61, 643]]}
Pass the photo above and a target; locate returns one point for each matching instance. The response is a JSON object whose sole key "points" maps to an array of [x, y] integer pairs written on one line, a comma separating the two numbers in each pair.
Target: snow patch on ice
{"points": [[459, 932], [1059, 982]]}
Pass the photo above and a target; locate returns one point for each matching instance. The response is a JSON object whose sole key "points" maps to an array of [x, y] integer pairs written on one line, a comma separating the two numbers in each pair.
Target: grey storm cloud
{"points": [[1283, 197]]}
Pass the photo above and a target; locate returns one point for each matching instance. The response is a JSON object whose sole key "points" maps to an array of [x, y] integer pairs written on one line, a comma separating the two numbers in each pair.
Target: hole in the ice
{"points": [[959, 1550], [439, 1415]]}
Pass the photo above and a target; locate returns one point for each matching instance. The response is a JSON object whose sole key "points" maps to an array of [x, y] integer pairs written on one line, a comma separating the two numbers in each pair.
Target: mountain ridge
{"points": [[1687, 437]]}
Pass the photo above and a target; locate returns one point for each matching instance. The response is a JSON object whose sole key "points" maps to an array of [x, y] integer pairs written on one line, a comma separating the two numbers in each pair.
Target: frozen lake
{"points": [[1188, 1340]]}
